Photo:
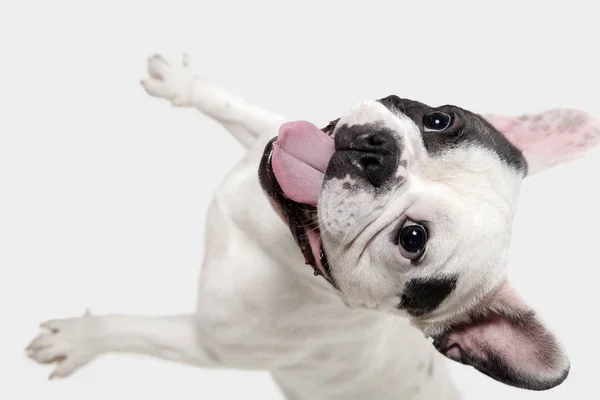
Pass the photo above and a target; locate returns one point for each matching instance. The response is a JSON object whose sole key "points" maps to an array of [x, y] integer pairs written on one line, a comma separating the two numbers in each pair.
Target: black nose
{"points": [[372, 150]]}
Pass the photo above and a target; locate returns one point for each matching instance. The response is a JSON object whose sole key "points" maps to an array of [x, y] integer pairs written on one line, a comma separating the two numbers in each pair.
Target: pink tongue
{"points": [[300, 156]]}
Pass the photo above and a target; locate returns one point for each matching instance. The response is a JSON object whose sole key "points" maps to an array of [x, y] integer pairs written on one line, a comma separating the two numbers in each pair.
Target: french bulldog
{"points": [[351, 261]]}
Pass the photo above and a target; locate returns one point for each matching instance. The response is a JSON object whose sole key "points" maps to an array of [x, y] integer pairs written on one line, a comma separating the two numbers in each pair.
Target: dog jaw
{"points": [[300, 218]]}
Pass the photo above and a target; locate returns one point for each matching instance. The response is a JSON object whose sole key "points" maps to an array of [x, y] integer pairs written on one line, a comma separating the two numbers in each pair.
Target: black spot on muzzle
{"points": [[422, 296], [368, 151]]}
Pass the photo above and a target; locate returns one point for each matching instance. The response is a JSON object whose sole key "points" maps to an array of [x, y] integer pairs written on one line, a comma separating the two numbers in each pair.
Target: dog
{"points": [[352, 261]]}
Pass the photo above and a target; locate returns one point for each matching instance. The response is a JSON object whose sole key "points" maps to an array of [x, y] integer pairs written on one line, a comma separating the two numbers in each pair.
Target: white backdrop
{"points": [[103, 190]]}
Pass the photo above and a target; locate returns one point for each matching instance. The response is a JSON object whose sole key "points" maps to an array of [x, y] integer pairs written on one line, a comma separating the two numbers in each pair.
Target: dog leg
{"points": [[72, 343], [180, 85]]}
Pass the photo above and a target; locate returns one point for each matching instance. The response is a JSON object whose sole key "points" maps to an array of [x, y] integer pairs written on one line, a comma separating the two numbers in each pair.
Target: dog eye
{"points": [[436, 121], [412, 240]]}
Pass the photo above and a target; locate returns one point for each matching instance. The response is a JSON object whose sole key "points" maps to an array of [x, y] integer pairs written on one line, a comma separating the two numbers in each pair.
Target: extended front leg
{"points": [[182, 86], [72, 343]]}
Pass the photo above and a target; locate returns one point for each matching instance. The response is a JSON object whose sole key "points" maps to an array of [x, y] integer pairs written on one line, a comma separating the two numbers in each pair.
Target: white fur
{"points": [[260, 307]]}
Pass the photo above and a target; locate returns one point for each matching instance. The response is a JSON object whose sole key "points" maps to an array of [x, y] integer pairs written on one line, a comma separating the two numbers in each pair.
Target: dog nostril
{"points": [[375, 171], [370, 141], [375, 140], [369, 161]]}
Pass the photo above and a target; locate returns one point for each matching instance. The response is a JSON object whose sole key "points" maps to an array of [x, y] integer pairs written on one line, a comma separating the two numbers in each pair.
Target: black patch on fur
{"points": [[331, 127], [466, 128], [422, 296]]}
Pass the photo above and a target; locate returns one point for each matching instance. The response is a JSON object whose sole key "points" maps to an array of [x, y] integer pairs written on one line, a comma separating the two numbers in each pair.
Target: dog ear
{"points": [[551, 137], [504, 339]]}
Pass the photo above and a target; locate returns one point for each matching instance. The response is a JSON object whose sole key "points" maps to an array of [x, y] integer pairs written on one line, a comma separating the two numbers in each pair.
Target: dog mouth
{"points": [[291, 173]]}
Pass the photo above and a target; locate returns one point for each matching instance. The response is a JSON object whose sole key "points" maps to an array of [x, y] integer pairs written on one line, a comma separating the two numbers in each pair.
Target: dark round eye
{"points": [[412, 240], [436, 121]]}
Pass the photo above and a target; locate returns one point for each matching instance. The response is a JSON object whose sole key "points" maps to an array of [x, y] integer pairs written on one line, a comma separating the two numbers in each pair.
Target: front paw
{"points": [[171, 82], [67, 343]]}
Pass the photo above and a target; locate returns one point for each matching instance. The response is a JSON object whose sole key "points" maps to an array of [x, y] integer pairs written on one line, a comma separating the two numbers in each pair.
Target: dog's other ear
{"points": [[551, 137], [504, 339]]}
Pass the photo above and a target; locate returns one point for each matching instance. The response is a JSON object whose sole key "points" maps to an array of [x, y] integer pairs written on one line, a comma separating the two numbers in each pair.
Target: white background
{"points": [[103, 190]]}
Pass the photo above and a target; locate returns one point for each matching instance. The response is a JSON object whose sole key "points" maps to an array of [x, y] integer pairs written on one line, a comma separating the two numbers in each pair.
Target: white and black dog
{"points": [[403, 213]]}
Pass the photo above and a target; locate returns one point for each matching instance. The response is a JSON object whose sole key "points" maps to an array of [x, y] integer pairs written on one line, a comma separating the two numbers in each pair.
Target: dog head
{"points": [[408, 208]]}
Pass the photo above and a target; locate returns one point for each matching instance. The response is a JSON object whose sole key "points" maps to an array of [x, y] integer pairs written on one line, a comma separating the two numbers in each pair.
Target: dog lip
{"points": [[296, 215]]}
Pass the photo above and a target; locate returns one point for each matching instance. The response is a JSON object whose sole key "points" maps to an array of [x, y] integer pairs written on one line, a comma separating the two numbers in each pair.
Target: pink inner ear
{"points": [[505, 340], [497, 332], [550, 138], [499, 337]]}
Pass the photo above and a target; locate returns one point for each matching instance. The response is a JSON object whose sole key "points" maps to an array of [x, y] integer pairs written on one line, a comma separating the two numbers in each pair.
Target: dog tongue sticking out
{"points": [[300, 156]]}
